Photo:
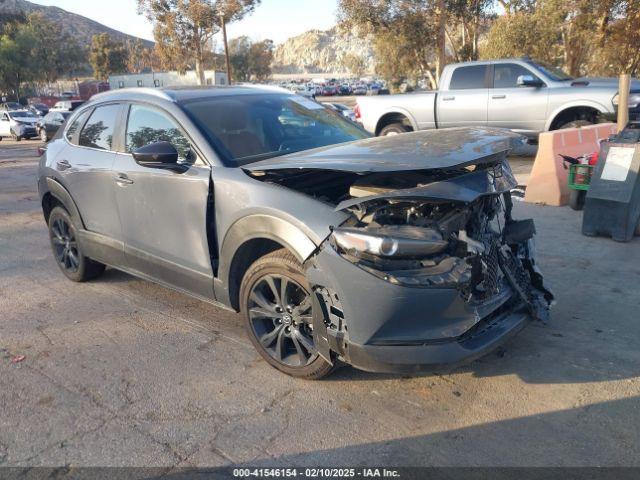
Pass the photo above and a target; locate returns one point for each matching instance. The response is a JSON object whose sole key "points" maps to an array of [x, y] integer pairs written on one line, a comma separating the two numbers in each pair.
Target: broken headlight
{"points": [[395, 241]]}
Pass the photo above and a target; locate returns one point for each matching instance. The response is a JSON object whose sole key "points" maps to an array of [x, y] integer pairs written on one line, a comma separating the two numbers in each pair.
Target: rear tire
{"points": [[67, 252], [575, 124], [275, 298], [394, 129], [576, 199]]}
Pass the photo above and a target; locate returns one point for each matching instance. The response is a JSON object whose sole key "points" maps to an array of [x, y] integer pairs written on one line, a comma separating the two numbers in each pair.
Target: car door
{"points": [[85, 166], [520, 108], [465, 101], [164, 212], [5, 125]]}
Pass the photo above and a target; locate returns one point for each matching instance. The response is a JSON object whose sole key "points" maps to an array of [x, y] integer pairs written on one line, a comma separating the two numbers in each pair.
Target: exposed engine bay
{"points": [[432, 229]]}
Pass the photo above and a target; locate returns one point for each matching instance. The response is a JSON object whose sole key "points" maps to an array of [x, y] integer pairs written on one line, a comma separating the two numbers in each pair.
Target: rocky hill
{"points": [[80, 27], [318, 51]]}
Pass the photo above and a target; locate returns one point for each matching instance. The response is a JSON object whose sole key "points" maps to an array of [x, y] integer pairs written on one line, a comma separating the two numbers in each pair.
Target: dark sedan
{"points": [[39, 109], [49, 125]]}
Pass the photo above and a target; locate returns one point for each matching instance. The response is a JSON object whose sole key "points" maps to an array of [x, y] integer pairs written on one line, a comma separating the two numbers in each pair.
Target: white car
{"points": [[18, 124]]}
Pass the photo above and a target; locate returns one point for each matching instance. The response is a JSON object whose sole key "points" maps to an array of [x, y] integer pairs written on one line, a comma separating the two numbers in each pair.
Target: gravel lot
{"points": [[121, 372]]}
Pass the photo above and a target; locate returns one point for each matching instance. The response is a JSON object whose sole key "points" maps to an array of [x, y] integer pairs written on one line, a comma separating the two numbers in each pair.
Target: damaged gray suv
{"points": [[391, 254]]}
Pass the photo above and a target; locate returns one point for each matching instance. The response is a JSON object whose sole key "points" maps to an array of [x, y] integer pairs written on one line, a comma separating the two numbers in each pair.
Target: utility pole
{"points": [[226, 48], [623, 101]]}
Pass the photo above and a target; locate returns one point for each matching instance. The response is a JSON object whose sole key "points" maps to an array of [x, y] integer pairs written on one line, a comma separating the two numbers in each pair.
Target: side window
{"points": [[465, 78], [505, 75], [75, 125], [98, 131], [147, 125]]}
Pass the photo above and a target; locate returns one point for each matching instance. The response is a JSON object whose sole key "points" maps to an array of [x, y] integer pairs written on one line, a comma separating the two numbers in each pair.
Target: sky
{"points": [[274, 19]]}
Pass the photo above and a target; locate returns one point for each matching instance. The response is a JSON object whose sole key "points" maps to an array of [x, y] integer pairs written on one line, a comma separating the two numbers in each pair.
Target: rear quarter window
{"points": [[465, 78], [75, 126]]}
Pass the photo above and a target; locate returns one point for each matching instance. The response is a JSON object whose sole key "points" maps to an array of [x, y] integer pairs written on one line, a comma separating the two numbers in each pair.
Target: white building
{"points": [[165, 79]]}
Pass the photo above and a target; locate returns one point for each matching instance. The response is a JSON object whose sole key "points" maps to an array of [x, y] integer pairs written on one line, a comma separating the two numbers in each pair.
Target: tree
{"points": [[260, 58], [416, 23], [55, 53], [184, 28], [140, 58], [250, 61], [239, 57], [355, 64], [107, 56], [582, 36]]}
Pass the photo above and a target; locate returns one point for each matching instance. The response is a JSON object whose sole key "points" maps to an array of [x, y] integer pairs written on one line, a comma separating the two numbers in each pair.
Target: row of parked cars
{"points": [[335, 88], [35, 120]]}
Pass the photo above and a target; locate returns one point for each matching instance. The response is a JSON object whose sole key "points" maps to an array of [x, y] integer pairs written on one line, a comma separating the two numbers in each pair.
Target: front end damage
{"points": [[430, 269]]}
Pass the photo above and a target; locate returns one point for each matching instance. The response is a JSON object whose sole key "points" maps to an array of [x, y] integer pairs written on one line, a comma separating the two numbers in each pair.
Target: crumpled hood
{"points": [[423, 150]]}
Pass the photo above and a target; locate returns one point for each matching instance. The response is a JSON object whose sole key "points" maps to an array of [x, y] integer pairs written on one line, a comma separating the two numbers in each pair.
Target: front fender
{"points": [[253, 227], [576, 103]]}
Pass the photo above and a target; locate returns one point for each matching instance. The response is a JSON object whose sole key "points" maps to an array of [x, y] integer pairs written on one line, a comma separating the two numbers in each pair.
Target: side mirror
{"points": [[157, 155], [528, 81]]}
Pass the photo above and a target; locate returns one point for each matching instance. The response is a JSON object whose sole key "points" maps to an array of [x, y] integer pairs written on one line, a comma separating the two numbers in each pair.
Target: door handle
{"points": [[448, 99], [122, 179], [498, 97], [63, 165]]}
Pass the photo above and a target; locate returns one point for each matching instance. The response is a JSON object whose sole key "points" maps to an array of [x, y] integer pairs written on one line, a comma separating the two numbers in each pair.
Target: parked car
{"points": [[329, 91], [67, 105], [7, 106], [342, 109], [18, 124], [39, 109], [48, 126], [360, 90], [382, 253], [345, 89], [519, 94]]}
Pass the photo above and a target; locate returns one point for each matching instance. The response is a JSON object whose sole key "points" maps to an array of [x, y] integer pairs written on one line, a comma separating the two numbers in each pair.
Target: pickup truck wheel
{"points": [[67, 251], [276, 305], [576, 199], [394, 129], [575, 124]]}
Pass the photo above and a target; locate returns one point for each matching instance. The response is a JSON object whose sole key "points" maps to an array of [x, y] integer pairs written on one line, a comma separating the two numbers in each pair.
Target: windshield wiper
{"points": [[261, 156]]}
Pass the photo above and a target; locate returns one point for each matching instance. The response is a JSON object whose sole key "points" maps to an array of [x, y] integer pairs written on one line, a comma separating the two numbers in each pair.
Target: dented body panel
{"points": [[407, 242]]}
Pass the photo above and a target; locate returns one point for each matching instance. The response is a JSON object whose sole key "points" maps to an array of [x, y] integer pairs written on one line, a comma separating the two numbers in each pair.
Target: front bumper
{"points": [[477, 342], [25, 131], [378, 326]]}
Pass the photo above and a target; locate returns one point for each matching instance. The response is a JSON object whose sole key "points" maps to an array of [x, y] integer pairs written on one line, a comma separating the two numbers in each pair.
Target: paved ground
{"points": [[123, 372]]}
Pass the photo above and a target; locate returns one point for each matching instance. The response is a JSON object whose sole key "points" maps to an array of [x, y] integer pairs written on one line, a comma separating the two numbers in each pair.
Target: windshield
{"points": [[554, 73], [22, 115], [248, 128]]}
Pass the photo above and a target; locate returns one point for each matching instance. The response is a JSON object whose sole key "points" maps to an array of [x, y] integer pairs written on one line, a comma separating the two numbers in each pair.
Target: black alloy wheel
{"points": [[276, 303], [280, 313], [65, 246], [66, 249]]}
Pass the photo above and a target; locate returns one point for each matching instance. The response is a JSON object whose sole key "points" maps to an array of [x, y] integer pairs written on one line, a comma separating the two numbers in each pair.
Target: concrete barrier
{"points": [[548, 181]]}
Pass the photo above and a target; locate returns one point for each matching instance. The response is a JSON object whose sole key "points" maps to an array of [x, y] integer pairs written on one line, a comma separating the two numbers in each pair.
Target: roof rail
{"points": [[148, 91]]}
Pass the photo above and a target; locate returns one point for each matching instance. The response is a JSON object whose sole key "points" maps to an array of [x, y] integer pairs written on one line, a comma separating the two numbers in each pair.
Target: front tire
{"points": [[276, 306], [394, 129], [67, 251]]}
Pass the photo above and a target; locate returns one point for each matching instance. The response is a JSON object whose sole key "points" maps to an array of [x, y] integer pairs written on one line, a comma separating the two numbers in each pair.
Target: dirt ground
{"points": [[122, 372]]}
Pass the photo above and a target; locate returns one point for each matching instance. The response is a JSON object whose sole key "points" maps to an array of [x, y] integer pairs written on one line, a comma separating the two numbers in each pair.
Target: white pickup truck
{"points": [[518, 94]]}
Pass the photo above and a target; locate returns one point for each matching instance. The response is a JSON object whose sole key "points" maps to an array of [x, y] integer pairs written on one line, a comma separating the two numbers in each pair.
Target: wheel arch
{"points": [[397, 115], [57, 195], [249, 239], [573, 111]]}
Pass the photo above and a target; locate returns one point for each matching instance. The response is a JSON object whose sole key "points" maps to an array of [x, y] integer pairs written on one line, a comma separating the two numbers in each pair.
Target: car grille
{"points": [[486, 276]]}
